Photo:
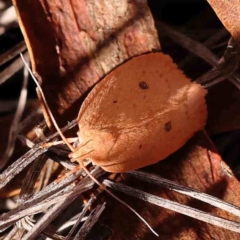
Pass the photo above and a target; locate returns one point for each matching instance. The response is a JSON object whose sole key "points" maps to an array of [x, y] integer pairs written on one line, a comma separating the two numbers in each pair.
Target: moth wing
{"points": [[140, 113], [132, 93], [161, 136]]}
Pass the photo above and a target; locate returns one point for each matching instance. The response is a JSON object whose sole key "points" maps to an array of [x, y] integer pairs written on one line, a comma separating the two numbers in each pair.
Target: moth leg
{"points": [[80, 151], [53, 143]]}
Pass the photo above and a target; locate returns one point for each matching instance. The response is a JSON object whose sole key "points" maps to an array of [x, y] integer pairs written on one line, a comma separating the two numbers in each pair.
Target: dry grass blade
{"points": [[62, 202], [208, 43], [65, 163], [52, 235], [44, 199], [33, 117], [174, 206], [31, 177], [197, 49], [226, 66], [36, 204], [82, 214], [13, 52], [48, 217], [30, 209], [19, 165], [54, 188], [91, 220], [15, 66], [45, 177], [25, 141], [157, 180], [28, 157], [11, 234], [189, 44]]}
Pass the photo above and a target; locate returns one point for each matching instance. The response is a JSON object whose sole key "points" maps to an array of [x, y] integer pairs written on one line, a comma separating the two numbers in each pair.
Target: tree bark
{"points": [[73, 44]]}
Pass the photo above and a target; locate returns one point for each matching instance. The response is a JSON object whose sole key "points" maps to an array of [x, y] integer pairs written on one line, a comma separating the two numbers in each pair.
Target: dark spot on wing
{"points": [[140, 146], [115, 101], [143, 85], [168, 126]]}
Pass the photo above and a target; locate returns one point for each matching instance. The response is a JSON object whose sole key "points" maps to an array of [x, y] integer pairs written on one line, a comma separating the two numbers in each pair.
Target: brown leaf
{"points": [[73, 45]]}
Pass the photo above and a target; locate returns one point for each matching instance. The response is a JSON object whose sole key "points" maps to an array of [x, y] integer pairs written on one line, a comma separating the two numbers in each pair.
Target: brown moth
{"points": [[139, 114]]}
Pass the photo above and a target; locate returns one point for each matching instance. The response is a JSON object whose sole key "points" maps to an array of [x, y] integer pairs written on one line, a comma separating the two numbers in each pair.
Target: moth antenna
{"points": [[81, 156], [72, 149], [46, 105], [71, 155], [115, 197]]}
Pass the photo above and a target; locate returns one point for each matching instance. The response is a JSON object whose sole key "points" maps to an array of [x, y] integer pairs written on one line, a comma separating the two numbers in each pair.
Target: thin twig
{"points": [[174, 206], [25, 141], [208, 43], [13, 52], [197, 49], [20, 164], [33, 119], [82, 214], [47, 106], [11, 234], [28, 157], [52, 194], [52, 235], [157, 180], [65, 163], [31, 177], [226, 66], [69, 223], [14, 67], [91, 220], [48, 172], [61, 204]]}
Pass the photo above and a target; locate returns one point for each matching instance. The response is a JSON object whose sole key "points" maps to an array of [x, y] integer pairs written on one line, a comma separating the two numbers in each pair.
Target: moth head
{"points": [[94, 145]]}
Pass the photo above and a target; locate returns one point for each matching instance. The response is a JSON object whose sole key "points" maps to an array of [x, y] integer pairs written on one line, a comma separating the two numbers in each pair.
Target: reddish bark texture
{"points": [[73, 44]]}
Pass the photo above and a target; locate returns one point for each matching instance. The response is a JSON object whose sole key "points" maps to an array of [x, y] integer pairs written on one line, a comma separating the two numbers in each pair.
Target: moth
{"points": [[139, 114]]}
